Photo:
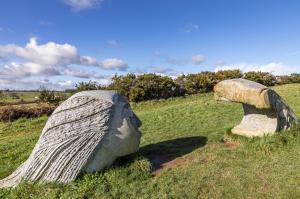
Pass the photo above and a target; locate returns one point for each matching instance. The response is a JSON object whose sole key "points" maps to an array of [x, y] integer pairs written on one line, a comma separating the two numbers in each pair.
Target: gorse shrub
{"points": [[50, 97], [85, 86], [205, 81], [264, 78], [123, 84], [287, 79], [145, 87], [151, 86], [197, 83], [228, 74]]}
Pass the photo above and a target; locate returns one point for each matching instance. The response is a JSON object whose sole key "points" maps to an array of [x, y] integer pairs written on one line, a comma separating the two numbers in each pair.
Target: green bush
{"points": [[264, 78], [287, 79], [205, 81], [228, 74], [151, 86], [48, 96], [84, 86], [123, 84], [145, 87], [196, 83]]}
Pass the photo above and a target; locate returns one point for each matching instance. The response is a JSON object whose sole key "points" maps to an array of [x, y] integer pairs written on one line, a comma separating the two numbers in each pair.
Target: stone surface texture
{"points": [[86, 133], [265, 112]]}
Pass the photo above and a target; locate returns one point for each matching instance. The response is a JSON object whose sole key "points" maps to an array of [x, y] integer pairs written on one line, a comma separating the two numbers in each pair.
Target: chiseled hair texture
{"points": [[68, 140]]}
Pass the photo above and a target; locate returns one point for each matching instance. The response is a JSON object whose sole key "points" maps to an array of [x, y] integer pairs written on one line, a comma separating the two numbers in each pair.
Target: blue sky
{"points": [[57, 43]]}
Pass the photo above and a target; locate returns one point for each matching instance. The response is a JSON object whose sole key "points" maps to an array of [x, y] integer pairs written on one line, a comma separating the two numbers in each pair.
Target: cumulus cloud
{"points": [[79, 5], [77, 73], [198, 59], [47, 54], [50, 59], [67, 83], [113, 63], [179, 61], [16, 70], [275, 68], [22, 84]]}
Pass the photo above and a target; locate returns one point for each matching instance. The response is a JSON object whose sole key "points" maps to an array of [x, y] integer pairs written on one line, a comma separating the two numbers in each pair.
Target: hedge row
{"points": [[151, 86], [10, 113]]}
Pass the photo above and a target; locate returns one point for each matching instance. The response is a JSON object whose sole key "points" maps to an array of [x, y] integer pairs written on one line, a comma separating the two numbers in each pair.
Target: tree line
{"points": [[152, 86]]}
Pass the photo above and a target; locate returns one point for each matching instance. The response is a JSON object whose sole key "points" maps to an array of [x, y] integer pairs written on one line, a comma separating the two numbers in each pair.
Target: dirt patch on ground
{"points": [[230, 143], [167, 161], [170, 154]]}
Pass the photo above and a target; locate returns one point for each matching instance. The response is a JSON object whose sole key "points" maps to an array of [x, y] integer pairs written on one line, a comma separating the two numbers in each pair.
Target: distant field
{"points": [[193, 157], [22, 96]]}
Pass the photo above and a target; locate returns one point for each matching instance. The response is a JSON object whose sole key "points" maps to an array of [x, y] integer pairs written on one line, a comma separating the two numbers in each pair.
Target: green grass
{"points": [[24, 96], [191, 130]]}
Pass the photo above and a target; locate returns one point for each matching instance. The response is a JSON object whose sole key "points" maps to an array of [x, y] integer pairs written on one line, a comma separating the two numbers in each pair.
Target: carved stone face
{"points": [[123, 137]]}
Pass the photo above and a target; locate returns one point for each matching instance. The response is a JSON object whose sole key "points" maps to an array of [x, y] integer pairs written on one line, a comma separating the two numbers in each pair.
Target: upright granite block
{"points": [[86, 133], [265, 112]]}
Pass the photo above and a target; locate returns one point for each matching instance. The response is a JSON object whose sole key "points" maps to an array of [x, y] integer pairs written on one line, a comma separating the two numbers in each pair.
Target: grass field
{"points": [[22, 96], [13, 97], [188, 139]]}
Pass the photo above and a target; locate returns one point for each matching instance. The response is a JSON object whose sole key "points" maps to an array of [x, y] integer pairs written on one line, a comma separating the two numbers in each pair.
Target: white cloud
{"points": [[67, 83], [20, 84], [112, 43], [220, 63], [198, 59], [78, 5], [104, 80], [15, 70], [176, 61], [45, 23], [191, 28], [87, 60], [275, 68], [47, 54], [113, 63], [50, 59], [179, 61], [77, 73], [19, 63]]}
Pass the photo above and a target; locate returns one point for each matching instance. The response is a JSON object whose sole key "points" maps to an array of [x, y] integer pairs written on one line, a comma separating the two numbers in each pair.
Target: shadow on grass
{"points": [[166, 151]]}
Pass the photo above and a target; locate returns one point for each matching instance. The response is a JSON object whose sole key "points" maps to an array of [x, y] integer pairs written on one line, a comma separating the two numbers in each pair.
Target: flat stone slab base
{"points": [[256, 122], [248, 133]]}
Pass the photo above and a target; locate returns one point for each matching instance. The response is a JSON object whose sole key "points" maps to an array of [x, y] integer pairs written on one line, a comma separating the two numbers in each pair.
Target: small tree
{"points": [[85, 86], [48, 96]]}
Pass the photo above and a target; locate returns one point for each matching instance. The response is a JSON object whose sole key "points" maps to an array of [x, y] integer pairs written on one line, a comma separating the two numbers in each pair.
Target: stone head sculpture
{"points": [[265, 111], [86, 133]]}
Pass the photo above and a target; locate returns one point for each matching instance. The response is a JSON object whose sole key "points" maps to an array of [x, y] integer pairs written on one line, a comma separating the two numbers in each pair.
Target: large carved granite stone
{"points": [[265, 112], [86, 133]]}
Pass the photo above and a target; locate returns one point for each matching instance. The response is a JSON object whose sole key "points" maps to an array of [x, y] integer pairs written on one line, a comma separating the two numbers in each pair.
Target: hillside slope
{"points": [[191, 154]]}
